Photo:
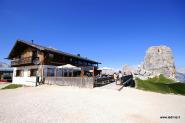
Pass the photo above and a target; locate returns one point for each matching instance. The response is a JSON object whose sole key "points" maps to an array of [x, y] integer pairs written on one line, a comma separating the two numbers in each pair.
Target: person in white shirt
{"points": [[115, 77]]}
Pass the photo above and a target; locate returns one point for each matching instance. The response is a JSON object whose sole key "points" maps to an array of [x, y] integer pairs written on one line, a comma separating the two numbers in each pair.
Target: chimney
{"points": [[32, 41]]}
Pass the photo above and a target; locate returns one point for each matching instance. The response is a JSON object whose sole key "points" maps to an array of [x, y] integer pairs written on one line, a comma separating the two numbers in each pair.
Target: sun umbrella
{"points": [[69, 66]]}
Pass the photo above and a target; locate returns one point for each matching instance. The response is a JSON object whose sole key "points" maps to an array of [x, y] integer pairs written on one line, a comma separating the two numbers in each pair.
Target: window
{"points": [[51, 56], [59, 72], [33, 72], [34, 53], [50, 71], [19, 73], [79, 62]]}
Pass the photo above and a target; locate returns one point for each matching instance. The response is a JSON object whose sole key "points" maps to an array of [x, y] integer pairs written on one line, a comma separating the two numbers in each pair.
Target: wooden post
{"points": [[93, 71], [55, 74], [82, 72], [62, 72], [42, 72], [55, 71], [67, 73], [72, 72]]}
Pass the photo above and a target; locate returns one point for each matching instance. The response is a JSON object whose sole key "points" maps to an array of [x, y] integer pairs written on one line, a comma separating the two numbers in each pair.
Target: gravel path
{"points": [[57, 104], [112, 86]]}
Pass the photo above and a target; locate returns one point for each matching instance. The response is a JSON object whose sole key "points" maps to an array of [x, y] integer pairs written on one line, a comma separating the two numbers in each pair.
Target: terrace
{"points": [[23, 61]]}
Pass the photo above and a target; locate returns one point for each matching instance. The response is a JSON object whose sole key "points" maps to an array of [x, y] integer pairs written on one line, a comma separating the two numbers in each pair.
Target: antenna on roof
{"points": [[32, 41]]}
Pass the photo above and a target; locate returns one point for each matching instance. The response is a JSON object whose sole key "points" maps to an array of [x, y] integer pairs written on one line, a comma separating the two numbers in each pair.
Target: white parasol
{"points": [[69, 66]]}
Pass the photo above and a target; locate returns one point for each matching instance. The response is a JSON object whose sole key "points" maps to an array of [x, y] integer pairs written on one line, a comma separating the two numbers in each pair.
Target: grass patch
{"points": [[12, 86], [161, 84]]}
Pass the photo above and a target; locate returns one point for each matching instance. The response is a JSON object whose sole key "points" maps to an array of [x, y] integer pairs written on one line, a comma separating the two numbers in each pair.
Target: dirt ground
{"points": [[53, 104]]}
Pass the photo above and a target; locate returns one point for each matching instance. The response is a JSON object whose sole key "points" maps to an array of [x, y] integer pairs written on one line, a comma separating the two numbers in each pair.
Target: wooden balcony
{"points": [[22, 61]]}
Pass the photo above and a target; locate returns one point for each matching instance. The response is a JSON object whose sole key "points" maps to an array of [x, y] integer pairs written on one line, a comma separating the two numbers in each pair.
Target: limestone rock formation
{"points": [[180, 75], [160, 60], [2, 64], [126, 70]]}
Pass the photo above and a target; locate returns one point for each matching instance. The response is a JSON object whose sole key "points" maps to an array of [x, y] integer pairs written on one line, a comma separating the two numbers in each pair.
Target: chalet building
{"points": [[30, 60]]}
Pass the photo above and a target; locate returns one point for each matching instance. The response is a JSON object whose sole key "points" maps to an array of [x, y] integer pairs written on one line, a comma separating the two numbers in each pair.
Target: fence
{"points": [[103, 81], [84, 82]]}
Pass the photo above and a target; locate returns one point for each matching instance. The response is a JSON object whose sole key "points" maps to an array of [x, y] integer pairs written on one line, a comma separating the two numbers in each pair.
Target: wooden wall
{"points": [[27, 53], [41, 56]]}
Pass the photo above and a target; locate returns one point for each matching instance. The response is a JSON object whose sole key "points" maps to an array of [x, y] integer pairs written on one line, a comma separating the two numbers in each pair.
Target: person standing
{"points": [[120, 77], [115, 78]]}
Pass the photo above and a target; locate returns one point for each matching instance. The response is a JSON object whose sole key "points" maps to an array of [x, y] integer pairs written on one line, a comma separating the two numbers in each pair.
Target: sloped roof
{"points": [[43, 48]]}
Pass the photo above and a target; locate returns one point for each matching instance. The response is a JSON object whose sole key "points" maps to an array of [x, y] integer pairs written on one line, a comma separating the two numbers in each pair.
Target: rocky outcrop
{"points": [[2, 64], [127, 70], [180, 76], [160, 60]]}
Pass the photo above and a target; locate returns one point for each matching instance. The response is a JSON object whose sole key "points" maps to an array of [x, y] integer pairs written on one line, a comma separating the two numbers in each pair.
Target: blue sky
{"points": [[114, 32]]}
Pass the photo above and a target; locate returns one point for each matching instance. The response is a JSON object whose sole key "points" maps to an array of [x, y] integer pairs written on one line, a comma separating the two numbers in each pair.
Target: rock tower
{"points": [[160, 60]]}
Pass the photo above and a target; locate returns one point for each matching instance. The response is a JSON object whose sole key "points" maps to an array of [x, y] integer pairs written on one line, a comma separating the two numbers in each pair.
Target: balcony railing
{"points": [[22, 61]]}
